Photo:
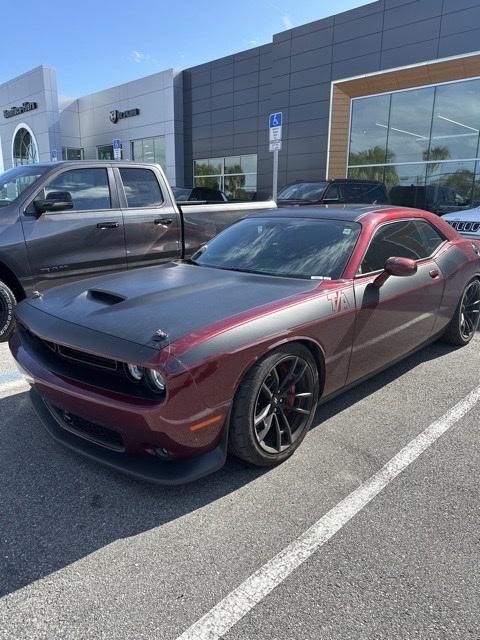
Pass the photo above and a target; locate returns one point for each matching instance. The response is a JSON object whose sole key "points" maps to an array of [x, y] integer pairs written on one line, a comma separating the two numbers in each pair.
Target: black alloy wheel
{"points": [[284, 404], [470, 311], [275, 406], [465, 321]]}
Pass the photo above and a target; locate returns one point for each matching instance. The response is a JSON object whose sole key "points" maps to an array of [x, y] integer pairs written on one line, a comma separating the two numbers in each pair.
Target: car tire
{"points": [[7, 308], [465, 320], [274, 406]]}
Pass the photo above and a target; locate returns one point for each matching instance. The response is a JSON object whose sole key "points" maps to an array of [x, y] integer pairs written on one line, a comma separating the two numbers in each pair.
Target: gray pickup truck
{"points": [[69, 220]]}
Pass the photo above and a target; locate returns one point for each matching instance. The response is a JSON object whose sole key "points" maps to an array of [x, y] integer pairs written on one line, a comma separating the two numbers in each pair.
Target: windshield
{"points": [[297, 248], [310, 191], [16, 180]]}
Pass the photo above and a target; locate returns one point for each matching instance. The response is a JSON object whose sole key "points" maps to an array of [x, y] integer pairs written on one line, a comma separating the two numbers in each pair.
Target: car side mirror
{"points": [[55, 201], [400, 267]]}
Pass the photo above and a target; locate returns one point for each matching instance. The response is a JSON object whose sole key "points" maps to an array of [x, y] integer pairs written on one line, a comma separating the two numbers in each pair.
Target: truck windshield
{"points": [[291, 247], [16, 180], [309, 191]]}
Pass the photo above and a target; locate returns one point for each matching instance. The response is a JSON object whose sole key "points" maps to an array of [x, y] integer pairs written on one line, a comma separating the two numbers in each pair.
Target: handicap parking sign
{"points": [[275, 120]]}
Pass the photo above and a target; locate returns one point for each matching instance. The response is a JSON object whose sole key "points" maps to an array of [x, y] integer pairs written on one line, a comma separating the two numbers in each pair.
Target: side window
{"points": [[89, 188], [431, 238], [141, 188], [399, 239], [332, 193]]}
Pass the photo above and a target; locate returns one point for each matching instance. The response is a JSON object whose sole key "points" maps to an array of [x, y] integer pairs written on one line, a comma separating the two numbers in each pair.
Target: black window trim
{"points": [[419, 261], [114, 203], [123, 195]]}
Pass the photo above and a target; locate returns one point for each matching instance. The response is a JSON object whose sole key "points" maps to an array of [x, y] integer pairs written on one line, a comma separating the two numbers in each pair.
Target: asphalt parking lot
{"points": [[86, 553]]}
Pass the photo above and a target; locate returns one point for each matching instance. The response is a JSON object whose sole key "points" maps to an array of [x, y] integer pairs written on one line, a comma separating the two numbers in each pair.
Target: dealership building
{"points": [[390, 91]]}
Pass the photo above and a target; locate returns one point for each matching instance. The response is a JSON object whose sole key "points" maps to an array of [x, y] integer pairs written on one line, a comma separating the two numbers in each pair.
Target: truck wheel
{"points": [[7, 307]]}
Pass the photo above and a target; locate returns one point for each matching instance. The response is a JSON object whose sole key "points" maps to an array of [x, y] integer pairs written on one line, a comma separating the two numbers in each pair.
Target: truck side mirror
{"points": [[55, 201]]}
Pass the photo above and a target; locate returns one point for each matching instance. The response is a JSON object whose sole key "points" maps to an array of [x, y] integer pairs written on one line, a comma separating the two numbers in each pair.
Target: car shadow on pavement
{"points": [[56, 507]]}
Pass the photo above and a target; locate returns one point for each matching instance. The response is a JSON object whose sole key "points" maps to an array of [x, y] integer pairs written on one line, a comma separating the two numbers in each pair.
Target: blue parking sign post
{"points": [[275, 122], [117, 149]]}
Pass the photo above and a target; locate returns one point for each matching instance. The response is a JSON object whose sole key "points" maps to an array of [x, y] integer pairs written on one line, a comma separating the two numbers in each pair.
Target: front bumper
{"points": [[164, 472], [155, 442]]}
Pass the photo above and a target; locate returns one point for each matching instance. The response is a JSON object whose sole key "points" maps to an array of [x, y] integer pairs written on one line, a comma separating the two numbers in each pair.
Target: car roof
{"points": [[350, 213]]}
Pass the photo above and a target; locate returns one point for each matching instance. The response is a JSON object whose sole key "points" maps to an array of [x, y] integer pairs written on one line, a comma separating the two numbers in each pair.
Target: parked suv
{"points": [[340, 191]]}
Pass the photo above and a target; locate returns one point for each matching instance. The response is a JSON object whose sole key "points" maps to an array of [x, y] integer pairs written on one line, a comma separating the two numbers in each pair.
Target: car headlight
{"points": [[135, 372], [155, 380]]}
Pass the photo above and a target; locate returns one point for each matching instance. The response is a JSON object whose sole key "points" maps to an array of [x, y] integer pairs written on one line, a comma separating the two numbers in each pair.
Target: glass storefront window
{"points": [[409, 125], [368, 134], [406, 184], [105, 152], [449, 185], [236, 176], [456, 121], [149, 150], [72, 153], [24, 148], [431, 139]]}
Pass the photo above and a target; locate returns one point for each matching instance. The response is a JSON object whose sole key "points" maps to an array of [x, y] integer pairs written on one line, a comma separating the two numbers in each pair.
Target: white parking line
{"points": [[14, 386], [216, 623]]}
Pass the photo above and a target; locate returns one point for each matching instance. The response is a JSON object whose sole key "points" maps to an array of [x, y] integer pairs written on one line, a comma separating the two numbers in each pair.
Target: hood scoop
{"points": [[105, 297]]}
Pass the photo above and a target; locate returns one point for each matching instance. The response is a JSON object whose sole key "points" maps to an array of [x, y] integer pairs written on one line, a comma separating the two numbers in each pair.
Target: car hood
{"points": [[176, 299]]}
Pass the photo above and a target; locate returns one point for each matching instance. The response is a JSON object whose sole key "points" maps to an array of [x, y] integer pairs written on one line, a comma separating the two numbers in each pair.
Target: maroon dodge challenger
{"points": [[159, 372]]}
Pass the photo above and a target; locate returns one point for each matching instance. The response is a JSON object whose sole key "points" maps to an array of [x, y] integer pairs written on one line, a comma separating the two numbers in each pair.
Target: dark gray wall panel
{"points": [[461, 20], [222, 101], [310, 144], [411, 33], [222, 73], [201, 105], [305, 95], [356, 66], [359, 12], [223, 86], [409, 54], [309, 59], [459, 43], [222, 115], [457, 5], [246, 95], [361, 27], [312, 40], [310, 76], [407, 13], [357, 47]]}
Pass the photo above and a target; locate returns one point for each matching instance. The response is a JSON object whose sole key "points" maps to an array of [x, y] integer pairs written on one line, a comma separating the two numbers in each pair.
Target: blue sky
{"points": [[95, 44]]}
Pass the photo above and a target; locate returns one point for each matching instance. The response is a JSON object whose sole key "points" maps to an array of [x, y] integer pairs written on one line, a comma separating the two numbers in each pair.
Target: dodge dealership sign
{"points": [[16, 111]]}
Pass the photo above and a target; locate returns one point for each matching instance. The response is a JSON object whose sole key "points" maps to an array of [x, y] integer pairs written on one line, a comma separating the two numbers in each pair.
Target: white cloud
{"points": [[139, 57], [287, 21]]}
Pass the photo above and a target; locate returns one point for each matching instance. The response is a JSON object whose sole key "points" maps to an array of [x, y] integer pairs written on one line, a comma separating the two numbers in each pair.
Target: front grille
{"points": [[87, 358], [89, 430], [466, 227]]}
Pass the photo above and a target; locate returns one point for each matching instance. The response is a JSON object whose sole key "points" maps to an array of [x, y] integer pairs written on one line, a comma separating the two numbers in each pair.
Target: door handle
{"points": [[434, 273], [108, 225], [163, 221]]}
